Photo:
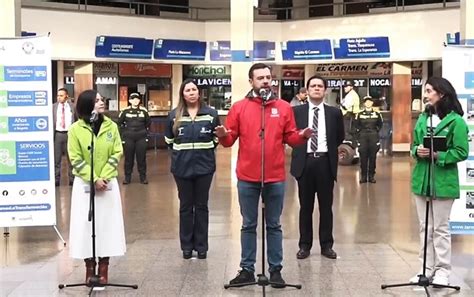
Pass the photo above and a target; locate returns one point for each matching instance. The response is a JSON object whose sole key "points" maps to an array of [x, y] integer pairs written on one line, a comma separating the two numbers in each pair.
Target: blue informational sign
{"points": [[306, 49], [469, 97], [263, 50], [469, 80], [453, 38], [23, 98], [24, 161], [18, 124], [27, 34], [220, 51], [25, 207], [23, 73], [364, 47], [174, 49], [123, 47]]}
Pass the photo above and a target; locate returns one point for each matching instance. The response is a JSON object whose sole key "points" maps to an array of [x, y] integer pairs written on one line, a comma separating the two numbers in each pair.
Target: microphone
{"points": [[264, 94], [94, 117], [429, 109]]}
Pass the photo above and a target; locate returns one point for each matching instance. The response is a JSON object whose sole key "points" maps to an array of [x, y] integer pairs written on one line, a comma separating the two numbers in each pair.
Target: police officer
{"points": [[134, 122], [368, 124]]}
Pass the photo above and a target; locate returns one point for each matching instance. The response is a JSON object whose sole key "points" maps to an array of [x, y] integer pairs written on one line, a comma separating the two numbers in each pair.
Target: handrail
{"points": [[223, 13]]}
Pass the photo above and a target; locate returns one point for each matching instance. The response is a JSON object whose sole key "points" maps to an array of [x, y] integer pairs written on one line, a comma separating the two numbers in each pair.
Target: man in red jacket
{"points": [[244, 121]]}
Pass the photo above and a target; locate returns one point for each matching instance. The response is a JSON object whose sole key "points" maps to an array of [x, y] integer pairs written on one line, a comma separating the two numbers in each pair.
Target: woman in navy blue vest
{"points": [[190, 136]]}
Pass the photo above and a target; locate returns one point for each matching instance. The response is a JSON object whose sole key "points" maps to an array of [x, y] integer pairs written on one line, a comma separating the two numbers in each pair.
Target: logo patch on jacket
{"points": [[274, 113], [205, 131], [109, 136]]}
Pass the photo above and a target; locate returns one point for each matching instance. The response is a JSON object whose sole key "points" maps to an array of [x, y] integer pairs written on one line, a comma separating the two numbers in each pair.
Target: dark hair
{"points": [[182, 103], [85, 104], [317, 77], [448, 98], [134, 95], [258, 66], [64, 90]]}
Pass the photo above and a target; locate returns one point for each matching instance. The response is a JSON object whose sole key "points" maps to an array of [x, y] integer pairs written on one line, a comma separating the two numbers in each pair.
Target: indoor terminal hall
{"points": [[236, 148]]}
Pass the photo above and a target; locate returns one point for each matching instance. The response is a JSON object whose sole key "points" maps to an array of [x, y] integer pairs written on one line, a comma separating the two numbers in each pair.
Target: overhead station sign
{"points": [[174, 49], [306, 49], [123, 47], [363, 47]]}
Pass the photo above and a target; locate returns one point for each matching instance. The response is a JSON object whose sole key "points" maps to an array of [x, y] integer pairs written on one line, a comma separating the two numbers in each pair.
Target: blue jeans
{"points": [[249, 196]]}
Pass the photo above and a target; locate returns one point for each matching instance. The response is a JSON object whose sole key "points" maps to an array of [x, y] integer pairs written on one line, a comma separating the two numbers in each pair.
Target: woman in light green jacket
{"points": [[109, 227], [447, 121]]}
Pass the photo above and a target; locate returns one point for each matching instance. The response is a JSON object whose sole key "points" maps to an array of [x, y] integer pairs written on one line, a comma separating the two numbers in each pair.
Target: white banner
{"points": [[458, 68], [26, 133]]}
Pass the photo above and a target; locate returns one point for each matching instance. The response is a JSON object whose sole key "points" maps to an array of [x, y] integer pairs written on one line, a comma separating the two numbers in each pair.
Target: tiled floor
{"points": [[375, 231]]}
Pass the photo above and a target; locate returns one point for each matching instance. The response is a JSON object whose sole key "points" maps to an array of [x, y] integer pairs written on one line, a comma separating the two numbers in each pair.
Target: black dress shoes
{"points": [[372, 180], [362, 181], [202, 255], [302, 254], [329, 253], [187, 254]]}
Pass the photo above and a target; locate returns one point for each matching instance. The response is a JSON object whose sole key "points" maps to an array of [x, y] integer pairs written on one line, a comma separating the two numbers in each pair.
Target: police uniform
{"points": [[193, 164], [368, 124], [134, 123]]}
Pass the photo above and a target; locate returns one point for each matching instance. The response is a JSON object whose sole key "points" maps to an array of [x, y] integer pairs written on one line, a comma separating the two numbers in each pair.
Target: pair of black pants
{"points": [[316, 179], [193, 196], [60, 148], [368, 147], [135, 145]]}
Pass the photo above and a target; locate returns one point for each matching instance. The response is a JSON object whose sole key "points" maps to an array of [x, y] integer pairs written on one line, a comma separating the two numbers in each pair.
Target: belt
{"points": [[56, 131], [317, 154]]}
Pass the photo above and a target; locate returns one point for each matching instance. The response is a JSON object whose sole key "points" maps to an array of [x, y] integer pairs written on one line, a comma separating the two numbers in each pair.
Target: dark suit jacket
{"points": [[334, 135]]}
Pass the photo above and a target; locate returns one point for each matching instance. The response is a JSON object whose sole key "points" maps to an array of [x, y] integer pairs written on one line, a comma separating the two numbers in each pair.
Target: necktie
{"points": [[314, 137], [63, 117]]}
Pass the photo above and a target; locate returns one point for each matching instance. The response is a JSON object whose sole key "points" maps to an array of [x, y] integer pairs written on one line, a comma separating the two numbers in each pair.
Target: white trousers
{"points": [[438, 245]]}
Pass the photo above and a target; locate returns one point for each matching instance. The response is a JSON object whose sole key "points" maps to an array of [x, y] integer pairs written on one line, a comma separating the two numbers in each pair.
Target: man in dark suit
{"points": [[315, 166], [63, 117]]}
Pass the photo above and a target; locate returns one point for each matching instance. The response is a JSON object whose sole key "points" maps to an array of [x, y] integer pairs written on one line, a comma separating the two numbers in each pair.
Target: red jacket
{"points": [[244, 122]]}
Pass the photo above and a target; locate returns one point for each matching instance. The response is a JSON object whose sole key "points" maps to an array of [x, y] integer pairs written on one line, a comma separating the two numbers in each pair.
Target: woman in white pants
{"points": [[447, 121]]}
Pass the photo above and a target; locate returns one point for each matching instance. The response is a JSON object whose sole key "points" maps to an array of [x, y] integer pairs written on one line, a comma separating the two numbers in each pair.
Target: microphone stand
{"points": [[262, 279], [94, 280], [423, 280]]}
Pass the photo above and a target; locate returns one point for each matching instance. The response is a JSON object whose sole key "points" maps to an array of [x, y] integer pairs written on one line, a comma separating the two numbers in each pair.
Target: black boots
{"points": [[127, 180]]}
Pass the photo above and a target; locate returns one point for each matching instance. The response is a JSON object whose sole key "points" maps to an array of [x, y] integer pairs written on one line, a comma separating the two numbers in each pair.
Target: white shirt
{"points": [[322, 139], [351, 102], [67, 117]]}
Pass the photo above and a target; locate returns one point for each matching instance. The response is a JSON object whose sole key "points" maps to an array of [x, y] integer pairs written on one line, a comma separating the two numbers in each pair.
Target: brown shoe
{"points": [[104, 270], [90, 269], [302, 254]]}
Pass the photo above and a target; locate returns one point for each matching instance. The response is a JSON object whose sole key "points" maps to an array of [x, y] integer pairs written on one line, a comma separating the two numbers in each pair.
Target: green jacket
{"points": [[107, 150], [446, 181]]}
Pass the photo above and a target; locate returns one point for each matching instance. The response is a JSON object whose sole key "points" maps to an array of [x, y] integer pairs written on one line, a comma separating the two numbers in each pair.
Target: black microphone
{"points": [[264, 94], [94, 117], [429, 109]]}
